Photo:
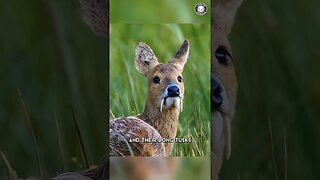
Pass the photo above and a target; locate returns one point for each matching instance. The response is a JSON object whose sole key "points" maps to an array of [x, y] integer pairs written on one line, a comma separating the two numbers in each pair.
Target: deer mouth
{"points": [[220, 103], [224, 107], [168, 102]]}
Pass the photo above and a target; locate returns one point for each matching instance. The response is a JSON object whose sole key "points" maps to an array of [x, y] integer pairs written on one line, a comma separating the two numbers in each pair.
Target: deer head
{"points": [[165, 81], [165, 89], [223, 81]]}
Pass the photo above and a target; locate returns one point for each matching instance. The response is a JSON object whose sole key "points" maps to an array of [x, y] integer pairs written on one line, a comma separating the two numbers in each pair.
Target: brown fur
{"points": [[165, 122], [96, 15], [122, 129], [223, 15], [163, 119]]}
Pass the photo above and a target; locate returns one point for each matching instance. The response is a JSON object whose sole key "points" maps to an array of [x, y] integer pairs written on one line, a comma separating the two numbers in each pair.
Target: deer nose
{"points": [[173, 91], [216, 97]]}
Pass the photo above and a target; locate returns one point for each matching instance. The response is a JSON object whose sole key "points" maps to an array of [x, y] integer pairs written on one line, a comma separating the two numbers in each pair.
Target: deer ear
{"points": [[182, 55], [144, 58], [224, 12]]}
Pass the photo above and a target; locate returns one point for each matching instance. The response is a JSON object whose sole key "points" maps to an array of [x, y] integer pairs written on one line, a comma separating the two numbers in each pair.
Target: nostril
{"points": [[217, 90], [215, 86], [216, 94], [173, 91]]}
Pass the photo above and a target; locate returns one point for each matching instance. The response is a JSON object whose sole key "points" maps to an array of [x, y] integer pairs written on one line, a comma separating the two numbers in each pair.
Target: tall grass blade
{"points": [[112, 115], [84, 154], [11, 173], [59, 139], [285, 155], [35, 143], [128, 145], [273, 154]]}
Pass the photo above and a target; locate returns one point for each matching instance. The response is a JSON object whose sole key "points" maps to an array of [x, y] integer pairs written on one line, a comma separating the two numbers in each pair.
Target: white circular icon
{"points": [[201, 8]]}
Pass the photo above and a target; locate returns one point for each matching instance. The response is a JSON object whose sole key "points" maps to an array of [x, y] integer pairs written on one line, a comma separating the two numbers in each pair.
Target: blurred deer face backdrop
{"points": [[223, 81]]}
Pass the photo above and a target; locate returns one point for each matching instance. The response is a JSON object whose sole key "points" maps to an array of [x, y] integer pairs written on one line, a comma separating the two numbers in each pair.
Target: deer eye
{"points": [[156, 80], [179, 79], [222, 54]]}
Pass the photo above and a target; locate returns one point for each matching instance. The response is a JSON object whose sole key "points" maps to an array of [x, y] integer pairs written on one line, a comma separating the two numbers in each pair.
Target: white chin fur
{"points": [[166, 103]]}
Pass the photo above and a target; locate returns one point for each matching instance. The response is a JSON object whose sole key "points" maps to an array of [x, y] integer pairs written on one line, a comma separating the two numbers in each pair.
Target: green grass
{"points": [[128, 87], [276, 53], [56, 62]]}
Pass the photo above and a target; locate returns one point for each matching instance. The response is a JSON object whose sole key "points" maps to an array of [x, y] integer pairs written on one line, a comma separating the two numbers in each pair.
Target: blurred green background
{"points": [[128, 88], [276, 47], [48, 53], [178, 168], [157, 11]]}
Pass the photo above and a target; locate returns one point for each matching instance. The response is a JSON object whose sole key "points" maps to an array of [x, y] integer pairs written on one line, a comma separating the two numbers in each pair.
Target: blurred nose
{"points": [[216, 97], [173, 91]]}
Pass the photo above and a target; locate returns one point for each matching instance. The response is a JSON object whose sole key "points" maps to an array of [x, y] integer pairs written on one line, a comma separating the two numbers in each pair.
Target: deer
{"points": [[164, 103], [159, 119], [164, 98], [223, 82]]}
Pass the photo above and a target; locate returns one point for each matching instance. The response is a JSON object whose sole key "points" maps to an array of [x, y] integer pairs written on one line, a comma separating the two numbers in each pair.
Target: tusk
{"points": [[227, 135], [161, 105]]}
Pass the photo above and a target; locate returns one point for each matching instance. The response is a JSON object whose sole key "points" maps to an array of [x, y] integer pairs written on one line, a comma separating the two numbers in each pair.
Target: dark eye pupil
{"points": [[179, 78], [156, 79], [222, 55]]}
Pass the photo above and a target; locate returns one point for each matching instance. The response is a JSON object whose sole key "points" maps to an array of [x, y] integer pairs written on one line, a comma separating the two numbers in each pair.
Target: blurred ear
{"points": [[96, 15], [144, 58], [182, 55], [224, 12]]}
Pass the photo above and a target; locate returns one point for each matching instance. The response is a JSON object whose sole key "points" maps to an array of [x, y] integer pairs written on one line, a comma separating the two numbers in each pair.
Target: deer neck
{"points": [[165, 122]]}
